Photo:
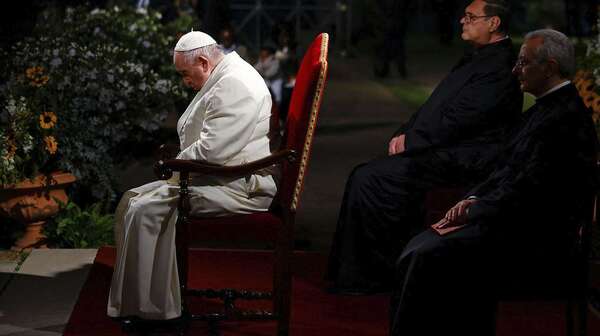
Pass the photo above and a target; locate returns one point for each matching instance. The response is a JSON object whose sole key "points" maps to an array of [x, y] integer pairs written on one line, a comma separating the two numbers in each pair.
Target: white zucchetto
{"points": [[194, 40]]}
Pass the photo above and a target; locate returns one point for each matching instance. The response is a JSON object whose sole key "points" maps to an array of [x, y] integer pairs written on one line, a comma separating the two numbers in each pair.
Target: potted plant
{"points": [[587, 79], [30, 182], [107, 79], [85, 84]]}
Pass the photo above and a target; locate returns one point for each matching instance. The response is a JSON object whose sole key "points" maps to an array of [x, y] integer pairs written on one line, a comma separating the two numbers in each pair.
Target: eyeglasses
{"points": [[469, 18]]}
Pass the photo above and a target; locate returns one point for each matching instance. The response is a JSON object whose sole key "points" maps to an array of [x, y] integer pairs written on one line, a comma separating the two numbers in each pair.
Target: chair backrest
{"points": [[302, 119]]}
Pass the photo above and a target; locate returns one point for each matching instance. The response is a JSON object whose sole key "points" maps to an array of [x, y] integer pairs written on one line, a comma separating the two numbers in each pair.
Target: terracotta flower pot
{"points": [[32, 202]]}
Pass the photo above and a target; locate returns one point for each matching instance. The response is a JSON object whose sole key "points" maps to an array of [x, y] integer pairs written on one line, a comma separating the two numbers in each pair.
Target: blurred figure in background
{"points": [[445, 12], [229, 44], [269, 68], [214, 14], [390, 35], [581, 16], [287, 55]]}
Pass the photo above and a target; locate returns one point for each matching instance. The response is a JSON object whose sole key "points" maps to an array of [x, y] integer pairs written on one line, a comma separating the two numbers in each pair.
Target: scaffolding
{"points": [[253, 20]]}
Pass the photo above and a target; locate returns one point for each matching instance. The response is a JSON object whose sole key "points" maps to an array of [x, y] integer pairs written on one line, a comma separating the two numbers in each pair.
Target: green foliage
{"points": [[543, 13], [412, 94], [22, 256], [21, 142], [74, 227], [590, 61], [183, 24], [100, 78], [587, 79]]}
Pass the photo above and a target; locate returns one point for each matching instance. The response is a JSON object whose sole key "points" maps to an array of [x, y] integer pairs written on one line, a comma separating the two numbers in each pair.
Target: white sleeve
{"points": [[230, 120]]}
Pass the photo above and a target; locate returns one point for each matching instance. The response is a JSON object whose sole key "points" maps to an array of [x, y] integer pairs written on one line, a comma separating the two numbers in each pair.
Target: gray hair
{"points": [[557, 46], [213, 52], [501, 9]]}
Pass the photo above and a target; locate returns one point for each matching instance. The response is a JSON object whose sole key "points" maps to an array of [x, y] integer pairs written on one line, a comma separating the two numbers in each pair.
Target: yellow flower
{"points": [[12, 149], [36, 76], [33, 72], [42, 80], [47, 120], [51, 144], [585, 85]]}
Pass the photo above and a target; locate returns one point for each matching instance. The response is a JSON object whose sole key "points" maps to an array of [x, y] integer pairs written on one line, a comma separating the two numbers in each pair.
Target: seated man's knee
{"points": [[363, 175], [425, 245], [396, 166]]}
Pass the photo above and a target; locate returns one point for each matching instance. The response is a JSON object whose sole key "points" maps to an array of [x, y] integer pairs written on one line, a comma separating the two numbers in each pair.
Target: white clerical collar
{"points": [[500, 39], [565, 83]]}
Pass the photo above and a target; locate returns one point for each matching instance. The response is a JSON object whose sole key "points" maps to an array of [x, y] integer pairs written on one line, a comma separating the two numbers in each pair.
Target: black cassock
{"points": [[519, 231], [451, 140]]}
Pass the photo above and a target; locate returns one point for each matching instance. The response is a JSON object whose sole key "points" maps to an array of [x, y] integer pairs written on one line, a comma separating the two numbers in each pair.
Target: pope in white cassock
{"points": [[226, 123]]}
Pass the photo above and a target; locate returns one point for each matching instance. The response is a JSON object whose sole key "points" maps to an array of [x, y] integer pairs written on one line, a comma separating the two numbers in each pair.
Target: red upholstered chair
{"points": [[276, 225]]}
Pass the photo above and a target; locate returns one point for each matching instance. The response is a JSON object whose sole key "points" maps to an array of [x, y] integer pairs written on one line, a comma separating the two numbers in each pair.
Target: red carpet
{"points": [[314, 312]]}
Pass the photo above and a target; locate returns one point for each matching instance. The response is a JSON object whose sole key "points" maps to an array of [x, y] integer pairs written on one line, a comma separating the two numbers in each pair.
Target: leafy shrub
{"points": [[587, 79], [74, 227], [98, 79]]}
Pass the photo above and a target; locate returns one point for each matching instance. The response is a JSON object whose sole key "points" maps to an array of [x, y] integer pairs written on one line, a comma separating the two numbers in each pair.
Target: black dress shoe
{"points": [[135, 325], [128, 325]]}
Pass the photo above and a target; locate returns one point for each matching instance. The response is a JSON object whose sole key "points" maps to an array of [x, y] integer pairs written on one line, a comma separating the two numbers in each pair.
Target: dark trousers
{"points": [[444, 285], [450, 284], [382, 209]]}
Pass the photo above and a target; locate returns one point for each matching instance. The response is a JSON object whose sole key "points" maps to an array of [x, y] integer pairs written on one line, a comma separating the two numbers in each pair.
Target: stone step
{"points": [[39, 297]]}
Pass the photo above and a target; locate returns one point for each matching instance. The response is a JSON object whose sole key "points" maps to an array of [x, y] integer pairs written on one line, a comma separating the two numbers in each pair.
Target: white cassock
{"points": [[226, 123]]}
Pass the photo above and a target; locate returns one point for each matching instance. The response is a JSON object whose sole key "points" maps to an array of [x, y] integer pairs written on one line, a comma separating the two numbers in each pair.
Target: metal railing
{"points": [[253, 20]]}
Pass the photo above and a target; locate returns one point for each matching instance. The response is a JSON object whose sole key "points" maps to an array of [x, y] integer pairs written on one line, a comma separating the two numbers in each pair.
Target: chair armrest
{"points": [[164, 168]]}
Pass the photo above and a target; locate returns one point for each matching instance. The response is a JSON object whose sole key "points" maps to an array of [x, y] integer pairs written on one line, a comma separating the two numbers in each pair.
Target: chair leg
{"points": [[495, 319], [282, 290], [184, 326], [283, 323], [181, 255], [213, 328], [570, 320], [582, 314], [282, 278], [577, 317]]}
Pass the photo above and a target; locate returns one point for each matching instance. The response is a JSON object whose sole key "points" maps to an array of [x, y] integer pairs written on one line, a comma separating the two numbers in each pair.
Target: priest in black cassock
{"points": [[517, 227], [451, 140]]}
